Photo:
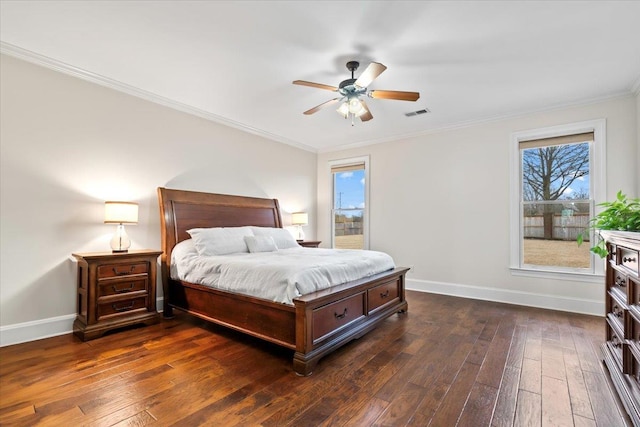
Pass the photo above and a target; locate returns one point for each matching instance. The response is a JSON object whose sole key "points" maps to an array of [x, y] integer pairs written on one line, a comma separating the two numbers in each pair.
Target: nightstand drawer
{"points": [[122, 269], [116, 308], [119, 286]]}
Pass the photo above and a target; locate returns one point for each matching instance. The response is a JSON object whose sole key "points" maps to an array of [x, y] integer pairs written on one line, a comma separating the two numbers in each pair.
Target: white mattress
{"points": [[278, 276]]}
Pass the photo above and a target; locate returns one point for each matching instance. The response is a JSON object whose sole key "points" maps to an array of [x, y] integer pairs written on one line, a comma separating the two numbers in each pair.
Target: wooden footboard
{"points": [[329, 319], [317, 324]]}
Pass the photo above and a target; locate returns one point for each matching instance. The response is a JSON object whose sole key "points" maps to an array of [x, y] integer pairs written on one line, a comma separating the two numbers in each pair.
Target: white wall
{"points": [[638, 140], [68, 145], [440, 203]]}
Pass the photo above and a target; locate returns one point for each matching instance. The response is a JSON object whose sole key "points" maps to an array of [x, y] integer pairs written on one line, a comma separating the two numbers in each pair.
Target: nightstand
{"points": [[309, 243], [115, 290]]}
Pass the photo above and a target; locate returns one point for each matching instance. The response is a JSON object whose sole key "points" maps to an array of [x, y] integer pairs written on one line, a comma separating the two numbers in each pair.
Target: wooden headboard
{"points": [[182, 210]]}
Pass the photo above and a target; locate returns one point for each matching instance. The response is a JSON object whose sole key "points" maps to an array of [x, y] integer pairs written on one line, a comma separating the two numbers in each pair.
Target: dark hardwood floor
{"points": [[448, 361]]}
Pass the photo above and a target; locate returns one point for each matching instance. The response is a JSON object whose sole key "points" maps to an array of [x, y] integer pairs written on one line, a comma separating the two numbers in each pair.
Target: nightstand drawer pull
{"points": [[129, 306], [621, 281], [123, 273], [341, 316], [385, 294], [122, 290], [625, 259]]}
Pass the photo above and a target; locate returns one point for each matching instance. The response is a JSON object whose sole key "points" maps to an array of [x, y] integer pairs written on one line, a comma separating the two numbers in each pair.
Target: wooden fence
{"points": [[345, 226], [565, 227]]}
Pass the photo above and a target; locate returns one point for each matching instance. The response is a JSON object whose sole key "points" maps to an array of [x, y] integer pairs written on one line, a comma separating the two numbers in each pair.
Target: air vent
{"points": [[417, 113]]}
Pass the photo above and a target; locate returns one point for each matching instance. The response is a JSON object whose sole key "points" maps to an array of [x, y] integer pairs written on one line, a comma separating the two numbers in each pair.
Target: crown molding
{"points": [[53, 64], [470, 123]]}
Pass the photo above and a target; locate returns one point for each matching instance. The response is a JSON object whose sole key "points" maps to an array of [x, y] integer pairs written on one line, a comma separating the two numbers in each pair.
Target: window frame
{"points": [[597, 177], [365, 211]]}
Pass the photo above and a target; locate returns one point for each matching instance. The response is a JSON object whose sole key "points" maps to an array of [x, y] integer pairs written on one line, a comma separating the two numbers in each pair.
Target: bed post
{"points": [[167, 310]]}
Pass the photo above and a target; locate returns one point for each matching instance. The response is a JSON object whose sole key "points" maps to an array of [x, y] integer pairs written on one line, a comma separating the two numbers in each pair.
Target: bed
{"points": [[315, 325]]}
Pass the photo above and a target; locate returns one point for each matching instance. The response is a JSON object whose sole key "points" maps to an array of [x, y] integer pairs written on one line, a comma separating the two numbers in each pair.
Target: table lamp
{"points": [[120, 213], [299, 219]]}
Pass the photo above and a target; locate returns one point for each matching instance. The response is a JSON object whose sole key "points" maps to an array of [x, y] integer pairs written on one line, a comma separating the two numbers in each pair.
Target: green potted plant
{"points": [[622, 215]]}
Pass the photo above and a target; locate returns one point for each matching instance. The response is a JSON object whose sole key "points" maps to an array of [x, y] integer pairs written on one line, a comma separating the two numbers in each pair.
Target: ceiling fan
{"points": [[352, 89]]}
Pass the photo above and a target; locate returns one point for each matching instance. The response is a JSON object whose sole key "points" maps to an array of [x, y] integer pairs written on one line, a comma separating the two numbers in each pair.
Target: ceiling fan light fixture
{"points": [[350, 90], [343, 110], [355, 106]]}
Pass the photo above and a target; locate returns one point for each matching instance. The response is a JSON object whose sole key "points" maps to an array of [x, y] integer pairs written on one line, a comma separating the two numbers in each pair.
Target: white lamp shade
{"points": [[120, 213], [299, 218]]}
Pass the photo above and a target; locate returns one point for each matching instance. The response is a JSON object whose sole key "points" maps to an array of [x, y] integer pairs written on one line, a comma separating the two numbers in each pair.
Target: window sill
{"points": [[558, 275]]}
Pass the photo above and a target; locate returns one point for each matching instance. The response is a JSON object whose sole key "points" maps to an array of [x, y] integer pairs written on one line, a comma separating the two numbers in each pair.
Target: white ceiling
{"points": [[233, 62]]}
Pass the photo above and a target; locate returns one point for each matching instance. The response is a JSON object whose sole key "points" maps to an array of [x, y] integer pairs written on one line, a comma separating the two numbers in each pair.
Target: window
{"points": [[349, 216], [557, 177]]}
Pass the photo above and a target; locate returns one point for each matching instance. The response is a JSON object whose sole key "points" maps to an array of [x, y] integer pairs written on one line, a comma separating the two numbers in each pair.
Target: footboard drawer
{"points": [[382, 295], [335, 316]]}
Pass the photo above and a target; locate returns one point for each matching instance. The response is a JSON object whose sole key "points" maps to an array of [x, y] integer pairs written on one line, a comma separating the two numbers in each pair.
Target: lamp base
{"points": [[120, 241], [119, 251]]}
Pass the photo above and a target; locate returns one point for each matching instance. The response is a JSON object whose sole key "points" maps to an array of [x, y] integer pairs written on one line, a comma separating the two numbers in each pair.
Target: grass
{"points": [[556, 253], [355, 241]]}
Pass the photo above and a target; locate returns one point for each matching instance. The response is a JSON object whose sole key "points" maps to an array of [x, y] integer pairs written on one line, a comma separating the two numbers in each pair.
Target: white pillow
{"points": [[220, 240], [282, 237], [260, 244], [183, 249]]}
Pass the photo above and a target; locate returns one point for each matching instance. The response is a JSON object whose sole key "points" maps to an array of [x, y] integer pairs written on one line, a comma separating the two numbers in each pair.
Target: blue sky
{"points": [[349, 190]]}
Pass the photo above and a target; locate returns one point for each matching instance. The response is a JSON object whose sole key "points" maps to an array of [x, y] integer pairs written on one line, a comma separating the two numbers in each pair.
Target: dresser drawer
{"points": [[634, 331], [617, 281], [616, 312], [628, 258], [382, 295], [121, 307], [633, 298], [616, 345], [613, 252], [122, 269], [119, 286], [333, 317]]}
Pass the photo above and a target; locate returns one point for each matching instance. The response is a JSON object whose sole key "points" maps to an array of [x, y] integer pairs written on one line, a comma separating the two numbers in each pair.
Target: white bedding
{"points": [[278, 276]]}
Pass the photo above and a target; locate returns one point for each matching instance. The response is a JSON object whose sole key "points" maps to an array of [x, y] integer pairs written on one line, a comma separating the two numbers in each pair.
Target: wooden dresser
{"points": [[115, 290], [621, 350]]}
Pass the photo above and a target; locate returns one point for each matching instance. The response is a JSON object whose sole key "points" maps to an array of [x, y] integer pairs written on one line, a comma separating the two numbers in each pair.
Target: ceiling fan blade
{"points": [[317, 85], [319, 107], [369, 74], [366, 116], [394, 94]]}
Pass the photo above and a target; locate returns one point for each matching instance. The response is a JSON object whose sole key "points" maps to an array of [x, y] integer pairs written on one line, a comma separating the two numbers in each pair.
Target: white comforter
{"points": [[278, 276]]}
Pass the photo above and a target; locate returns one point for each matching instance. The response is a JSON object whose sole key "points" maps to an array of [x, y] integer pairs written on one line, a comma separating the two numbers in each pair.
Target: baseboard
{"points": [[44, 328], [54, 326], [552, 302], [35, 330]]}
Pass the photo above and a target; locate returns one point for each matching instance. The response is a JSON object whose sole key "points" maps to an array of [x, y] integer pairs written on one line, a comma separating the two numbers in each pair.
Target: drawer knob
{"points": [[123, 273], [625, 259], [122, 307], [384, 295], [617, 311], [341, 316], [620, 282], [121, 290]]}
